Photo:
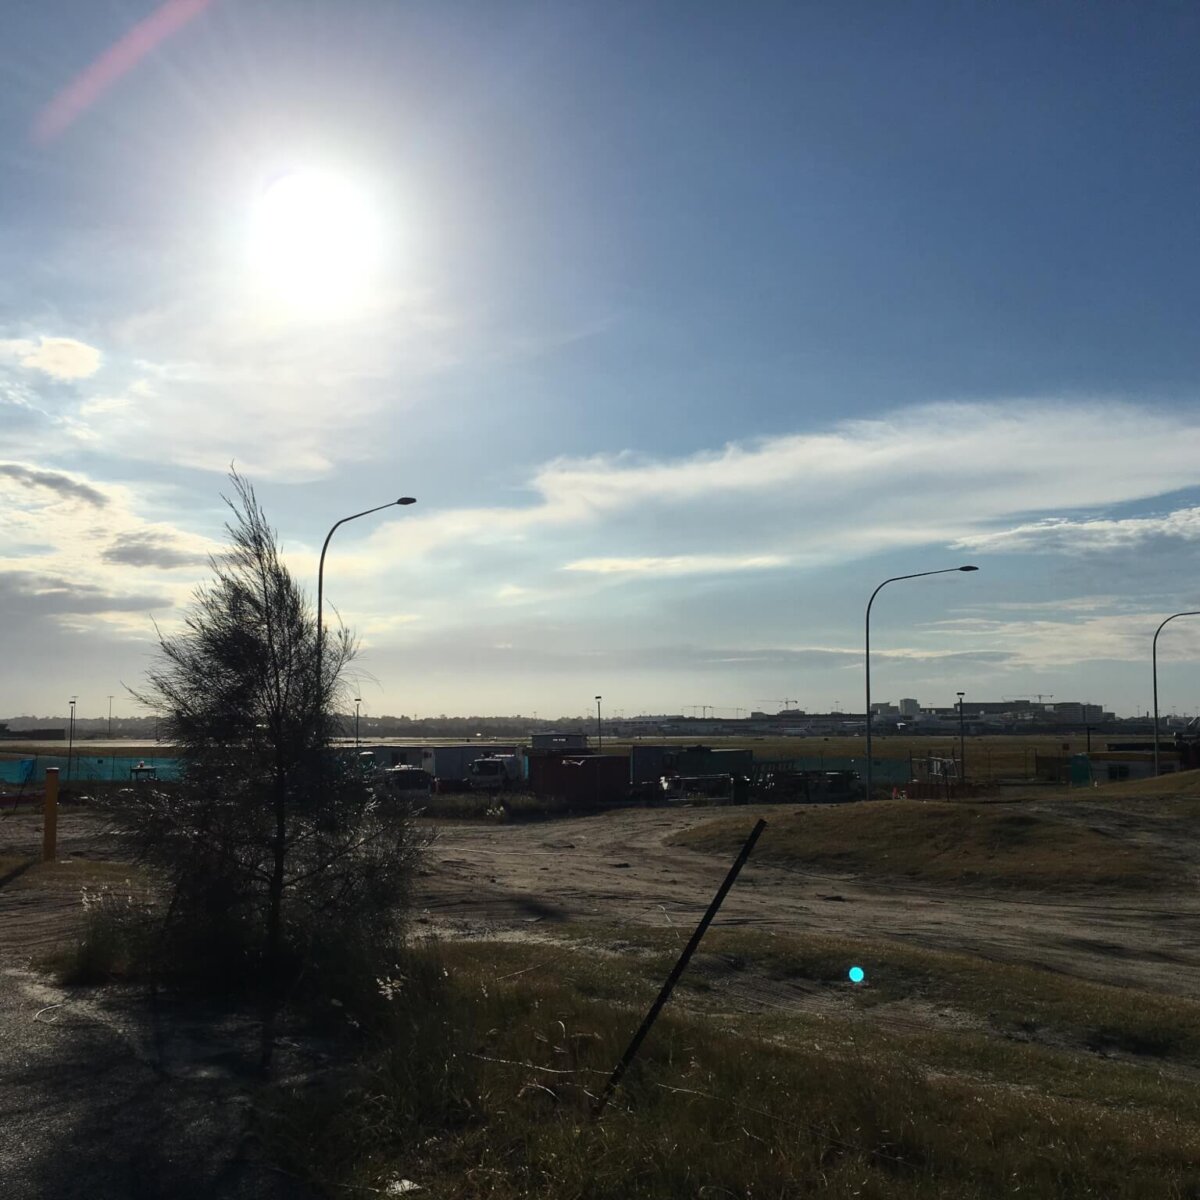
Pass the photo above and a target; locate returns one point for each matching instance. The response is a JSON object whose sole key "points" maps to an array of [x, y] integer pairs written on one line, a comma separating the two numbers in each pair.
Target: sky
{"points": [[686, 324]]}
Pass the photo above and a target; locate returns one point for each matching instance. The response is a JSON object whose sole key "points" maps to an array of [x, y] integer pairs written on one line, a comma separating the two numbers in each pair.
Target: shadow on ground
{"points": [[94, 1105]]}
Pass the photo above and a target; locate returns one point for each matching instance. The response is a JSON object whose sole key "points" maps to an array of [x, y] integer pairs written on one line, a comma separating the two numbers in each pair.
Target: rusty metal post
{"points": [[50, 816], [665, 994]]}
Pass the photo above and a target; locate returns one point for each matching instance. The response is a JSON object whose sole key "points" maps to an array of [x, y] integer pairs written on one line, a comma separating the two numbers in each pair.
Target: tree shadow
{"points": [[111, 1099]]}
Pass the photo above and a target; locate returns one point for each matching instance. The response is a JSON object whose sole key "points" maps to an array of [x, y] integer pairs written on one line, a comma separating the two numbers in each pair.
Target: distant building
{"points": [[910, 708], [1074, 713]]}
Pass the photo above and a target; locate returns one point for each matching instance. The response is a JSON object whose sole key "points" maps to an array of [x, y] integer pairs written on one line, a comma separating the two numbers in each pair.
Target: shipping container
{"points": [[580, 780], [648, 764]]}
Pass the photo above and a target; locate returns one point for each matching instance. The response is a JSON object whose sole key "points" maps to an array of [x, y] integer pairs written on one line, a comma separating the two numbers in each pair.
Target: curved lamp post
{"points": [[894, 579], [1154, 666], [321, 575]]}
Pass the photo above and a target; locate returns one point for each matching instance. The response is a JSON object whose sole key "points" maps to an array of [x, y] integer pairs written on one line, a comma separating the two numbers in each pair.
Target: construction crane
{"points": [[1038, 696]]}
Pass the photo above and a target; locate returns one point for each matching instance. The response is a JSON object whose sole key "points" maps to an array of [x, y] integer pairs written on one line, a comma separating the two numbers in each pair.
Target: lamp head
{"points": [[968, 568], [407, 500]]}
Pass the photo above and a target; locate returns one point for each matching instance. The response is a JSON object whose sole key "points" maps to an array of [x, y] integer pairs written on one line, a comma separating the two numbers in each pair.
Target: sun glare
{"points": [[315, 241]]}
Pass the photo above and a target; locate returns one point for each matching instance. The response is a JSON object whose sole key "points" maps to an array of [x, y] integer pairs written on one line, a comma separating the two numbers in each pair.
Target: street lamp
{"points": [[1154, 665], [110, 718], [70, 736], [321, 578], [357, 702], [599, 727], [894, 579], [962, 743]]}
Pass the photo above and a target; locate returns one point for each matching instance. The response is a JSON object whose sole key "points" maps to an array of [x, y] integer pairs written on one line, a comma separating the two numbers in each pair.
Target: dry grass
{"points": [[1007, 845], [1183, 785], [1010, 999], [480, 1079]]}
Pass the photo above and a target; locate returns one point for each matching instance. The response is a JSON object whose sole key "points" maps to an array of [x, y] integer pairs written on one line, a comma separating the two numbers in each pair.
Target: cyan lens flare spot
{"points": [[857, 974]]}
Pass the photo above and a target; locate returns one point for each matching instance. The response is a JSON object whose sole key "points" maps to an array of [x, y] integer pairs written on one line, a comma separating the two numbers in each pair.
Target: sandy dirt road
{"points": [[618, 868]]}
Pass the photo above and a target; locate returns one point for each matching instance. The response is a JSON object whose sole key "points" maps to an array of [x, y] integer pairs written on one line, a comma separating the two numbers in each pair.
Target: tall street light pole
{"points": [[894, 579], [599, 727], [321, 578], [962, 741], [357, 702], [1154, 665], [110, 718], [70, 737]]}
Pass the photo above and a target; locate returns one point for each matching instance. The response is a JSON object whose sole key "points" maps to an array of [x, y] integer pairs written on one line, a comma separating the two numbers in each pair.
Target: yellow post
{"points": [[50, 816]]}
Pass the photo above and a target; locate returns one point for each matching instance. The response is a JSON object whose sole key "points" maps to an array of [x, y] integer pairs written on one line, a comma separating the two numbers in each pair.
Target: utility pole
{"points": [[110, 718], [357, 702], [599, 727]]}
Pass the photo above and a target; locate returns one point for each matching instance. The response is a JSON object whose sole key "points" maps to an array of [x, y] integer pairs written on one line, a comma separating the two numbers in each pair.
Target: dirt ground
{"points": [[89, 1088], [618, 868], [101, 1098]]}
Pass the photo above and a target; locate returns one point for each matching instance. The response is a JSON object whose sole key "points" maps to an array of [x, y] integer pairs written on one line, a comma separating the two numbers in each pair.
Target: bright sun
{"points": [[315, 241]]}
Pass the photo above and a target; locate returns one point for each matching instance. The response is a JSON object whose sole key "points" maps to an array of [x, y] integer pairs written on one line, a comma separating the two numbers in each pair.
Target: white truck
{"points": [[494, 773], [451, 765]]}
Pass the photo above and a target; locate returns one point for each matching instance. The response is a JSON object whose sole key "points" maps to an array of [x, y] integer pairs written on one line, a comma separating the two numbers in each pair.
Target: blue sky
{"points": [[685, 323]]}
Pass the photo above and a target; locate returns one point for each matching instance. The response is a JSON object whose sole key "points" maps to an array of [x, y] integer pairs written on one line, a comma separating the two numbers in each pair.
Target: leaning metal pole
{"points": [[665, 994]]}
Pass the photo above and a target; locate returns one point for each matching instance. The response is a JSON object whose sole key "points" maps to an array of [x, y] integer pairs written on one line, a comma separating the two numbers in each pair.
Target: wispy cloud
{"points": [[50, 593], [942, 474], [152, 548], [60, 357], [59, 482], [1039, 643], [73, 551], [1062, 535], [678, 564]]}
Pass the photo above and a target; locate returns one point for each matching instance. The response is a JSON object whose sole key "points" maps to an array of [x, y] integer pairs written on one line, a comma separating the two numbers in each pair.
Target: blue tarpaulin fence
{"points": [[82, 768]]}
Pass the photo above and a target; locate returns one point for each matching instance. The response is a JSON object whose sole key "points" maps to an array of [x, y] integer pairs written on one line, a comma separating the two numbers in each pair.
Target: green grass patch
{"points": [[476, 1078], [1004, 845]]}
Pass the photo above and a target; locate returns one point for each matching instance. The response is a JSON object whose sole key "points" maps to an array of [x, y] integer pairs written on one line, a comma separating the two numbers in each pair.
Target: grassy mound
{"points": [[933, 842], [1182, 784], [480, 1078], [1010, 999]]}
